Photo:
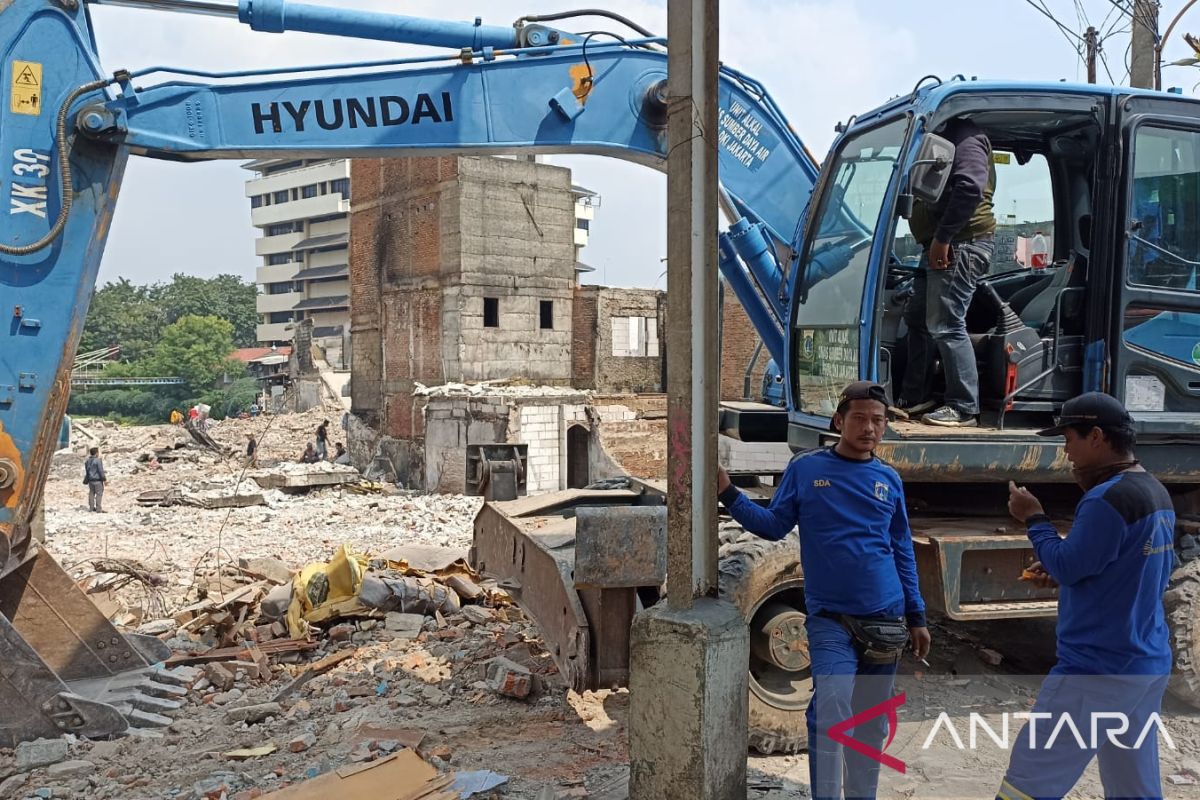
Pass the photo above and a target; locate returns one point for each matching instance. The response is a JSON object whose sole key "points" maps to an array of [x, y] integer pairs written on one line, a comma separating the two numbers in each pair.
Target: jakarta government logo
{"points": [[807, 345]]}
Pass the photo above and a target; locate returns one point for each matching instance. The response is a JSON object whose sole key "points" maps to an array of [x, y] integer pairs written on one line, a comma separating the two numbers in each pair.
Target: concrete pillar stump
{"points": [[688, 699]]}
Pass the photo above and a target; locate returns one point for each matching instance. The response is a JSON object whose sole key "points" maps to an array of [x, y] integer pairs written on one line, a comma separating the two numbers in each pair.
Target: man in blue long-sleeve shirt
{"points": [[1114, 653], [856, 552]]}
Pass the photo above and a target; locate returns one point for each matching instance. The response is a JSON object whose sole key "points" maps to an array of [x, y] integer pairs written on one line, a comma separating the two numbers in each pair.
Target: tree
{"points": [[225, 296], [123, 314], [196, 348]]}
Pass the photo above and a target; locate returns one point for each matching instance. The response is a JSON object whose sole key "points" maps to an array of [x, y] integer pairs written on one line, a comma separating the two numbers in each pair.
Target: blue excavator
{"points": [[819, 257]]}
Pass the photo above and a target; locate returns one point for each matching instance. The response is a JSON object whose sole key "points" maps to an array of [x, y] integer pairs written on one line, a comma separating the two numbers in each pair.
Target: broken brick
{"points": [[302, 743], [219, 676], [509, 678]]}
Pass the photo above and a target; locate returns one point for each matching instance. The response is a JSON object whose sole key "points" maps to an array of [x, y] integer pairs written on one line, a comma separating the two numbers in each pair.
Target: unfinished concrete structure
{"points": [[616, 345], [464, 270]]}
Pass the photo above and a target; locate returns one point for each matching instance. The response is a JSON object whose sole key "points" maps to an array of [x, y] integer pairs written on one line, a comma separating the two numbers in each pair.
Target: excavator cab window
{"points": [[1160, 321], [835, 267]]}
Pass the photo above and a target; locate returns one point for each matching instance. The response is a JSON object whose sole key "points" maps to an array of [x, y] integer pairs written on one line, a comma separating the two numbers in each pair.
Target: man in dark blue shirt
{"points": [[859, 570], [1114, 653]]}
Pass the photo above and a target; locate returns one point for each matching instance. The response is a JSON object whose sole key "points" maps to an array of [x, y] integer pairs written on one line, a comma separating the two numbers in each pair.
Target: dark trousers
{"points": [[1042, 766], [936, 316], [843, 685]]}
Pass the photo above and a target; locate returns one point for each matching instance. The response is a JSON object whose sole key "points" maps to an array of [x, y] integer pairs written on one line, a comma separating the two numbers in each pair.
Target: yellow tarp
{"points": [[344, 573]]}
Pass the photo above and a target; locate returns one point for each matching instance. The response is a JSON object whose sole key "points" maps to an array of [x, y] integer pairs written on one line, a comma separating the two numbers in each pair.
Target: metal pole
{"points": [[1089, 39], [1158, 47], [210, 7], [1144, 39], [692, 391]]}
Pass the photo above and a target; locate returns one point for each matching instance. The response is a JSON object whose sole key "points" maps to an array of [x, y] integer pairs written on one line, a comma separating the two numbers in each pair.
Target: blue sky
{"points": [[822, 60]]}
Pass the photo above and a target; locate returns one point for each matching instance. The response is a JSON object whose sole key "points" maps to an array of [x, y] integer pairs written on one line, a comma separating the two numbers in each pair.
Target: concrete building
{"points": [[301, 208], [466, 269], [463, 270], [586, 203], [616, 345]]}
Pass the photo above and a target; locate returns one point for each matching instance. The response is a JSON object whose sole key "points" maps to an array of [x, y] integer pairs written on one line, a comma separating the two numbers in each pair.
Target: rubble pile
{"points": [[317, 629]]}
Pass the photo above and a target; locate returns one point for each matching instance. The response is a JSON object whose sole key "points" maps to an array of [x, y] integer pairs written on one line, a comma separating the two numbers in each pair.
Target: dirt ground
{"points": [[430, 690]]}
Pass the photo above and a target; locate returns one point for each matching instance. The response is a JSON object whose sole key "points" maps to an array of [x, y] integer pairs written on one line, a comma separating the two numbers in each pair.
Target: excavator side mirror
{"points": [[931, 170]]}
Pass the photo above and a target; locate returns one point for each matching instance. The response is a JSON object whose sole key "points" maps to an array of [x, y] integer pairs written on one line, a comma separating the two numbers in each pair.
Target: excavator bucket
{"points": [[66, 669]]}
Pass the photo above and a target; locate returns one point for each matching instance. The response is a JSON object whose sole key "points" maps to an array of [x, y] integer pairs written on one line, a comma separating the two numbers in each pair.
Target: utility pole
{"points": [[1145, 38], [1090, 41], [688, 682]]}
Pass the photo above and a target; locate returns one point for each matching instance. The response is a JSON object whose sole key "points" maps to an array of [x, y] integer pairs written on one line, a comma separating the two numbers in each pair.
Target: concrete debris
{"points": [[40, 752], [10, 785], [509, 679], [477, 615], [254, 713], [67, 769], [406, 626], [496, 388], [269, 569]]}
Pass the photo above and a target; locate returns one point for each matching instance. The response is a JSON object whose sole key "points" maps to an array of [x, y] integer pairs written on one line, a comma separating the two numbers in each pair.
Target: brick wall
{"points": [[596, 338], [366, 374], [584, 333], [738, 340]]}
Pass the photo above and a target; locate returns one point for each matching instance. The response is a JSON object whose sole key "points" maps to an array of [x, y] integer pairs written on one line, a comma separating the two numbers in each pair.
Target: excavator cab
{"points": [[1108, 181], [1111, 189]]}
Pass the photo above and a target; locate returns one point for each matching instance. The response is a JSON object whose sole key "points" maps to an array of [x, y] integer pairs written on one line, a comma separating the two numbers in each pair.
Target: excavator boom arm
{"points": [[66, 132]]}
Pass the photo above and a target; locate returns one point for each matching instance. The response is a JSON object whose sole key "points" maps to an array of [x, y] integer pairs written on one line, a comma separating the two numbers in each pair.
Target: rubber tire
{"points": [[748, 571], [1182, 605]]}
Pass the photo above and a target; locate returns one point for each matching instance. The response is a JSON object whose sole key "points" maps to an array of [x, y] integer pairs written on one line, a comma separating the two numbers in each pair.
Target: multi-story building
{"points": [[586, 202], [302, 208]]}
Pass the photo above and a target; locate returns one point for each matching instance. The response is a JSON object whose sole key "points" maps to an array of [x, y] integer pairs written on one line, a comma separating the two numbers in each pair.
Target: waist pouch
{"points": [[879, 640]]}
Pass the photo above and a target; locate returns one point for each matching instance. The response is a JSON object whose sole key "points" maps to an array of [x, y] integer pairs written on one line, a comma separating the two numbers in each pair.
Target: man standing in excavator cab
{"points": [[957, 234], [860, 583]]}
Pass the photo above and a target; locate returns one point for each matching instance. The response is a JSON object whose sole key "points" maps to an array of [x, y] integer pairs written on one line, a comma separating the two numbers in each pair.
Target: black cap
{"points": [[1094, 408], [862, 390]]}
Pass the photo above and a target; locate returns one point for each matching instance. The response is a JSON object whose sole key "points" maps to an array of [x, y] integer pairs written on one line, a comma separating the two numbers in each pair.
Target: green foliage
{"points": [[195, 348], [122, 313], [225, 296], [233, 399], [126, 315], [135, 405], [186, 328]]}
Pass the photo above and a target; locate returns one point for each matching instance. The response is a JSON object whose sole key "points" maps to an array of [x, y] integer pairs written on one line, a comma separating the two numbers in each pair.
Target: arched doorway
{"points": [[578, 440]]}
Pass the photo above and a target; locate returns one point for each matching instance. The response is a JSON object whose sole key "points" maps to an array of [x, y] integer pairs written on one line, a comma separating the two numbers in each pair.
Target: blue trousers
{"points": [[843, 685], [1044, 766]]}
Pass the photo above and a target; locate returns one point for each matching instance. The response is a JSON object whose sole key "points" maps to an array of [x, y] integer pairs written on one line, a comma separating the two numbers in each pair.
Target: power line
{"points": [[1104, 61], [1121, 8], [1106, 19], [1067, 32]]}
